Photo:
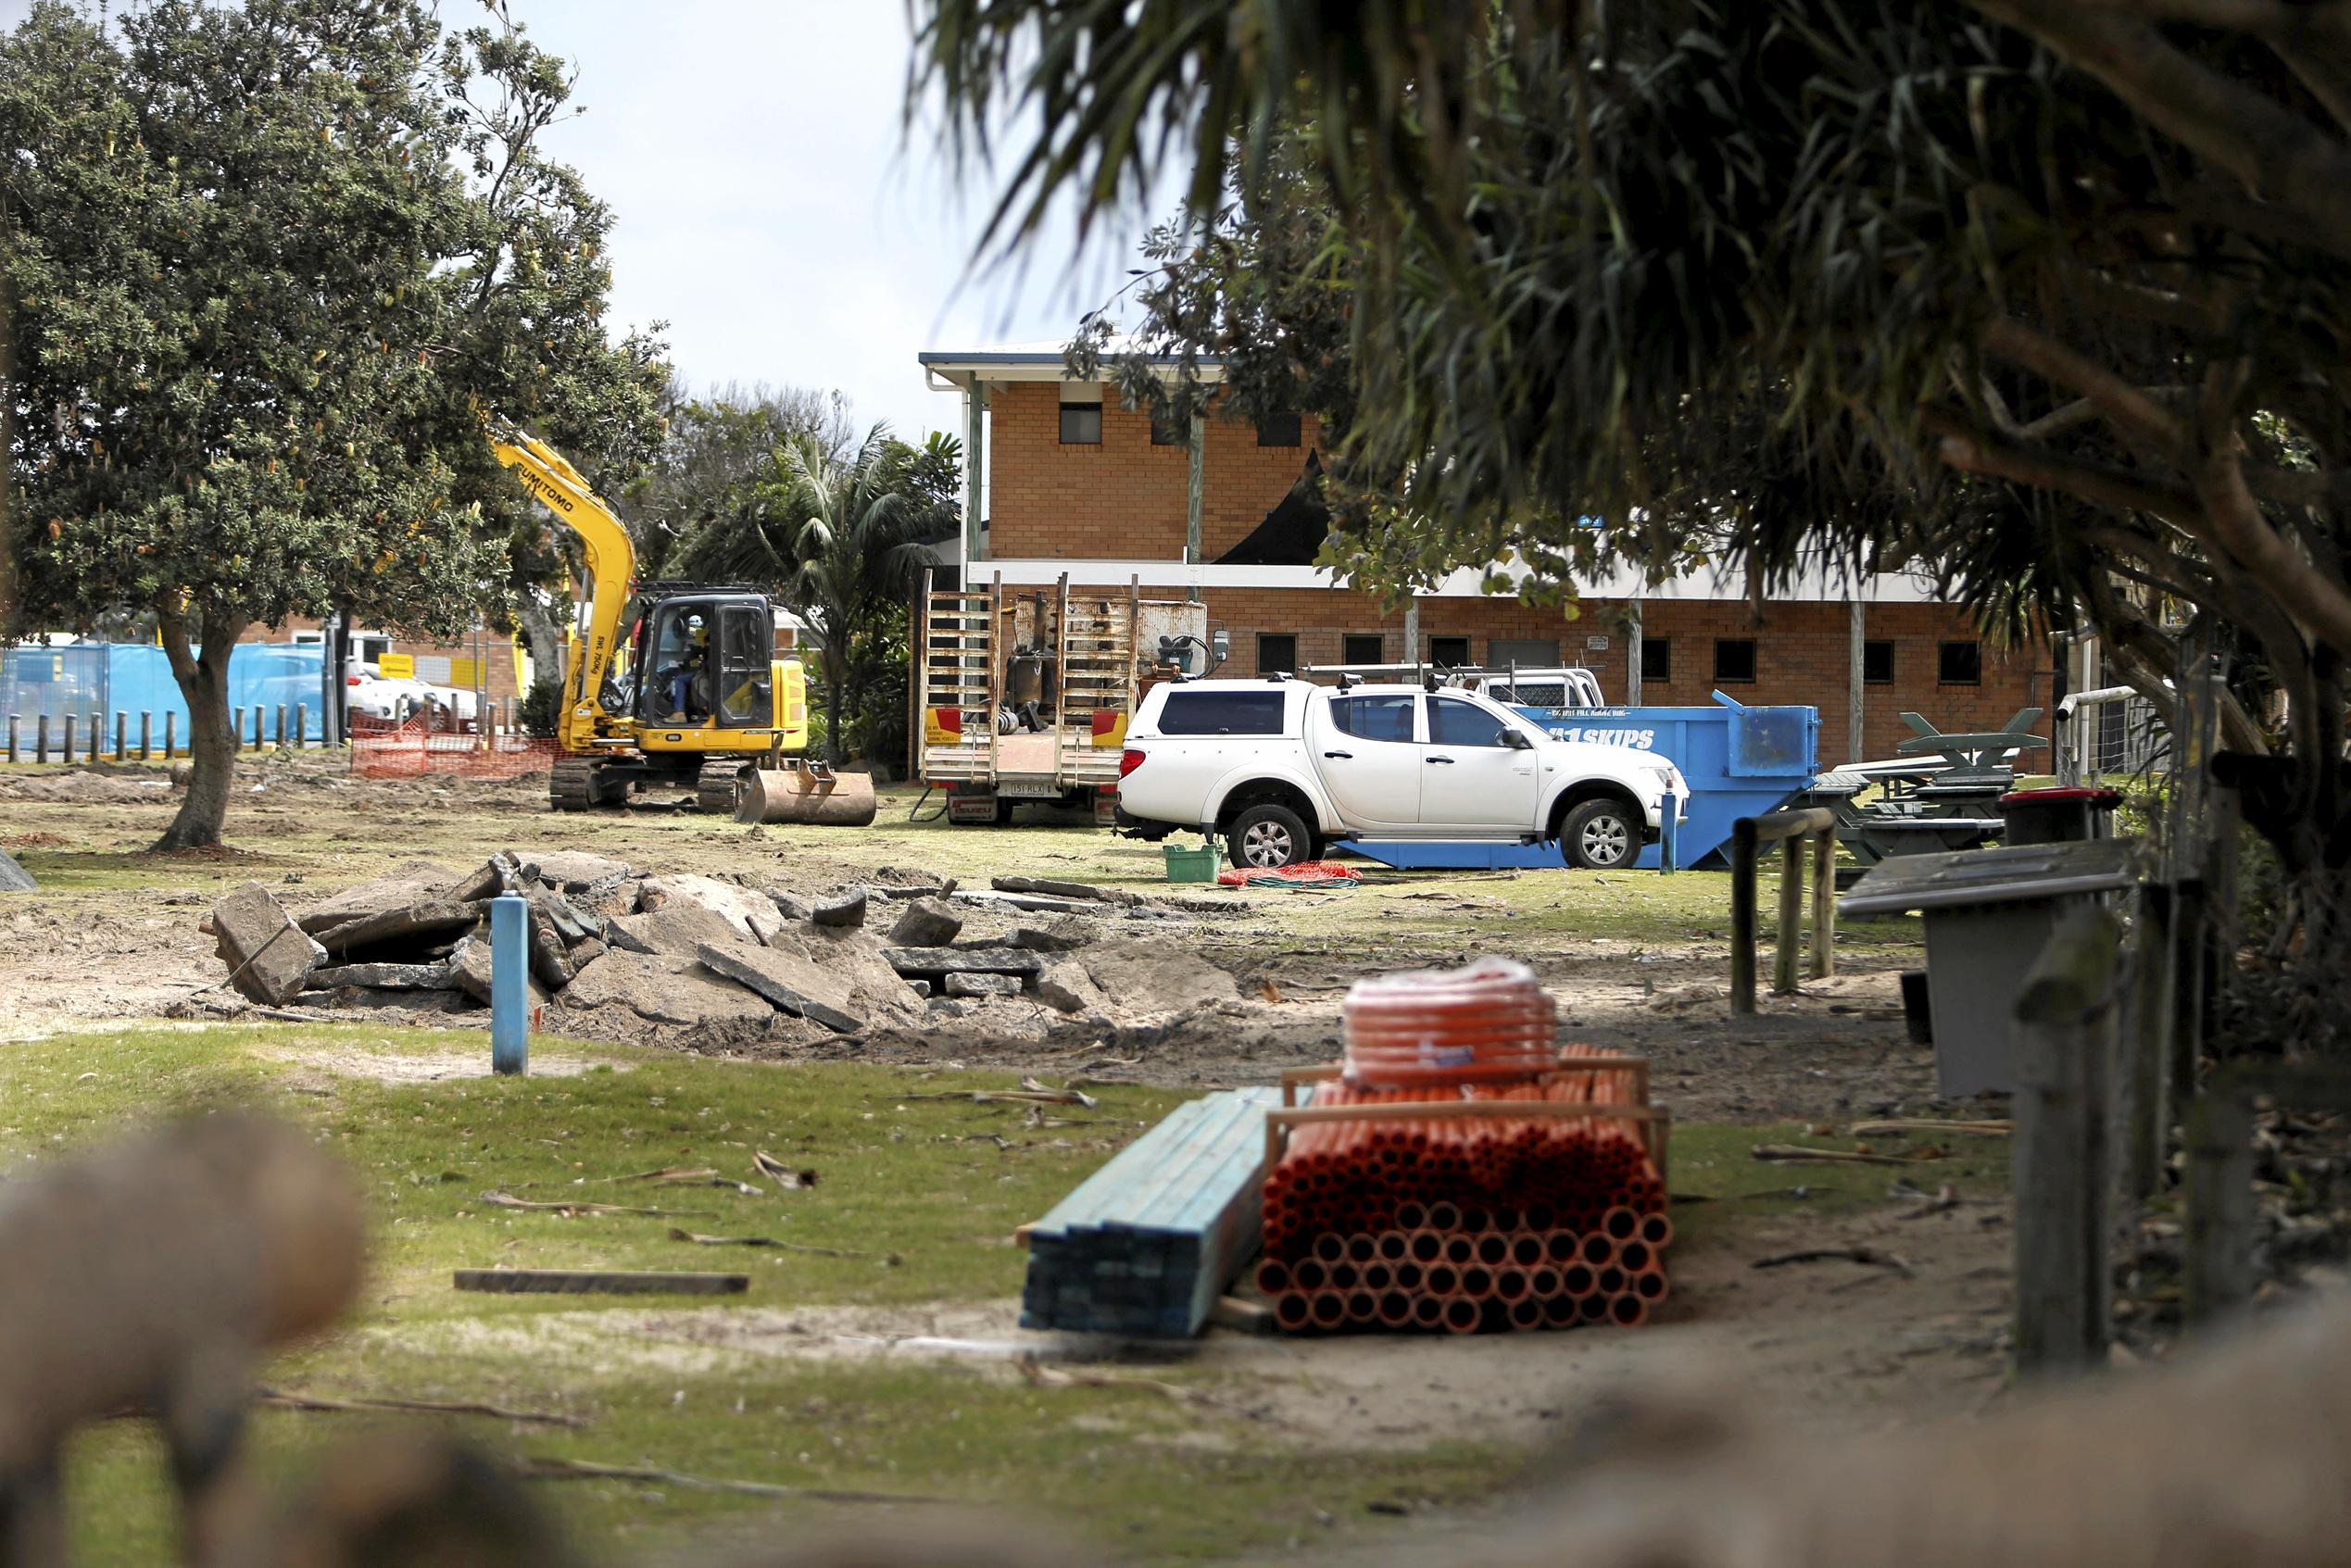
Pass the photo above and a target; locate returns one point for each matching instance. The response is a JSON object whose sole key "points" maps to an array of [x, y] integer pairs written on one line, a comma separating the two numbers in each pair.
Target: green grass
{"points": [[922, 1181]]}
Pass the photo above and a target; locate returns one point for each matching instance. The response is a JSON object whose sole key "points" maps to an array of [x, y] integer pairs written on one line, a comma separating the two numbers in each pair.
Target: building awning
{"points": [[953, 369]]}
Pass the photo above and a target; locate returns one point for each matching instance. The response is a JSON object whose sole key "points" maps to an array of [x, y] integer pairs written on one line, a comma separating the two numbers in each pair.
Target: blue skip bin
{"points": [[1741, 762]]}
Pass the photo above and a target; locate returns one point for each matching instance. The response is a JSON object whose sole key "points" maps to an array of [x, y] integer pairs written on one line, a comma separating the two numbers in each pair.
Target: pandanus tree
{"points": [[2053, 298]]}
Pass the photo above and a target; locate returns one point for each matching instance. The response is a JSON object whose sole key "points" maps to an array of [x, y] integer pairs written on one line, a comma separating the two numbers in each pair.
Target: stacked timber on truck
{"points": [[1027, 697]]}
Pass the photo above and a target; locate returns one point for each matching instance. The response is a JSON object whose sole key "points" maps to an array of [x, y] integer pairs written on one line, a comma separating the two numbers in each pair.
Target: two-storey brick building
{"points": [[1062, 478]]}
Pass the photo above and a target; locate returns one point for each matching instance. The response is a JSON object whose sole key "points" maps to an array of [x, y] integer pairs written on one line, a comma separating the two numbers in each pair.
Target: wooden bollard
{"points": [[69, 741], [282, 740], [257, 726], [170, 734], [121, 734], [2065, 1031], [14, 722], [146, 734], [301, 724], [41, 737], [236, 729]]}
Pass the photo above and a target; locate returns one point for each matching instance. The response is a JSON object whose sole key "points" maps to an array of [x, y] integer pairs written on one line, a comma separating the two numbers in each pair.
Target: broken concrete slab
{"points": [[1027, 903], [923, 962], [847, 910], [983, 984], [14, 878], [268, 957], [586, 953], [664, 988], [550, 964], [570, 924], [471, 966], [927, 922], [747, 910], [419, 882], [1156, 976], [854, 958], [790, 905], [384, 977], [576, 871], [1053, 888], [1032, 939], [499, 873], [432, 919], [792, 982], [676, 928], [1065, 986]]}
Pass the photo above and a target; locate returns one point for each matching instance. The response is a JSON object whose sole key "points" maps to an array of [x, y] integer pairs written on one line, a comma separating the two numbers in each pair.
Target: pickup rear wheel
{"points": [[1264, 837], [1600, 835]]}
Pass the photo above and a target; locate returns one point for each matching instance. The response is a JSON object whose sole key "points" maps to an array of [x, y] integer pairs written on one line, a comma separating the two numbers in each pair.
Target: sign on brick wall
{"points": [[433, 668]]}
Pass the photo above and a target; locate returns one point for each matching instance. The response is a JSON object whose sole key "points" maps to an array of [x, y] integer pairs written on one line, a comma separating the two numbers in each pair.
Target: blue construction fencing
{"points": [[91, 682]]}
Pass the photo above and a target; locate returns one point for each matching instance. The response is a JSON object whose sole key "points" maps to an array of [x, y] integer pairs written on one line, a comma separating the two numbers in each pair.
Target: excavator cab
{"points": [[702, 661]]}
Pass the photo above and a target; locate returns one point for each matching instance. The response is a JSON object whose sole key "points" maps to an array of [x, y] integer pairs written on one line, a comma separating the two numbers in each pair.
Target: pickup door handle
{"points": [[1348, 754], [1446, 760]]}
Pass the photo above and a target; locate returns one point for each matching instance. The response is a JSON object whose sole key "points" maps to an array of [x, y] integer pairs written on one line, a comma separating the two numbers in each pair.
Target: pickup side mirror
{"points": [[1516, 740]]}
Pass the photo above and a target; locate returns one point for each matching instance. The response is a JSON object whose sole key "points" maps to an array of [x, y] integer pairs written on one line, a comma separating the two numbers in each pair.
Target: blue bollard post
{"points": [[509, 983], [1668, 815]]}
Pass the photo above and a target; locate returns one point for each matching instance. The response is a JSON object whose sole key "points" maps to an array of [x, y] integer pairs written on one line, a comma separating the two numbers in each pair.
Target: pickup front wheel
{"points": [[1264, 837], [1600, 835]]}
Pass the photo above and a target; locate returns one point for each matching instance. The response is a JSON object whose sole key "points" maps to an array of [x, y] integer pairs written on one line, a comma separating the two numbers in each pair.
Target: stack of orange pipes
{"points": [[1469, 1223]]}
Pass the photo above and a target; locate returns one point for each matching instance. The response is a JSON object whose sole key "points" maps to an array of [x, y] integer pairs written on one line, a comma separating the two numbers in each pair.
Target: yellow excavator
{"points": [[692, 695]]}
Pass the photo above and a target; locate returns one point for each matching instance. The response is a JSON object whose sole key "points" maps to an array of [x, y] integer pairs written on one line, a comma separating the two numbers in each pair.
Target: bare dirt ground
{"points": [[114, 936]]}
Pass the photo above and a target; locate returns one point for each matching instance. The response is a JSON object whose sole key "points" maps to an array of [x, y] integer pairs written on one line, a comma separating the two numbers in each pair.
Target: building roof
{"points": [[1028, 361]]}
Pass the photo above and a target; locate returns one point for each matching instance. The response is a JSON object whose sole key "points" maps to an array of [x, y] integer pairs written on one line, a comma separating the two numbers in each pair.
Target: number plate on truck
{"points": [[1029, 789]]}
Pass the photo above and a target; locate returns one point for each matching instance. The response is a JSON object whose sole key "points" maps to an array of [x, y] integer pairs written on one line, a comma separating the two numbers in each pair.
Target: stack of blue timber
{"points": [[1147, 1244]]}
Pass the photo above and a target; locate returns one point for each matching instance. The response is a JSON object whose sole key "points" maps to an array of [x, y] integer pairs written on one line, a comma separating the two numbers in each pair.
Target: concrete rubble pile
{"points": [[617, 950]]}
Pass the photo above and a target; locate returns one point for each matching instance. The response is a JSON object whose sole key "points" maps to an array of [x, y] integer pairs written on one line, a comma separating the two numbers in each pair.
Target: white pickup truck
{"points": [[1280, 767]]}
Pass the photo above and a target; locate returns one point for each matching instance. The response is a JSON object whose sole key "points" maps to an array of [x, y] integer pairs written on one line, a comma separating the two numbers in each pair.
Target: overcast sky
{"points": [[767, 207]]}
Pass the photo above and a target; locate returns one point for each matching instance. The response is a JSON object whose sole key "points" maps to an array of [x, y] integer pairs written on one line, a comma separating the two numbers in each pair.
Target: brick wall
{"points": [[1124, 499], [1802, 653]]}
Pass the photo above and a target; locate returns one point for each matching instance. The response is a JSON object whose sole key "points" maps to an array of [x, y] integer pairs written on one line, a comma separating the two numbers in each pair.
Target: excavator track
{"points": [[720, 784], [571, 784]]}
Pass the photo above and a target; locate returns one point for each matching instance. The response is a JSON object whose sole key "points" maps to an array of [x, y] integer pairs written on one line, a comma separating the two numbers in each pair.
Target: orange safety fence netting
{"points": [[1303, 873], [414, 747]]}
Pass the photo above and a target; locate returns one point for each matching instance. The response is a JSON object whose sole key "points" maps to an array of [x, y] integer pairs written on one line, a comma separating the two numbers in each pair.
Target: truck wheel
{"points": [[1264, 837], [1600, 835]]}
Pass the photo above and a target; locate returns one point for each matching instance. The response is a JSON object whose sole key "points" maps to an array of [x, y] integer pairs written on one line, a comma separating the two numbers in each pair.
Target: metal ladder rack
{"points": [[957, 650], [1095, 650]]}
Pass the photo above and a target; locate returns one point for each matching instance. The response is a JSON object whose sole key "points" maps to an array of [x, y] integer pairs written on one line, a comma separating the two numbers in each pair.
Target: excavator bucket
{"points": [[802, 791]]}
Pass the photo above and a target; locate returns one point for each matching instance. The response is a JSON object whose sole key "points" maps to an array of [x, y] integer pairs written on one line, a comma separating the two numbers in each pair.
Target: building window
{"points": [[1168, 431], [1362, 647], [1527, 653], [1734, 660], [1280, 429], [1276, 651], [1449, 653], [1960, 664], [1081, 424], [1877, 663], [1656, 659]]}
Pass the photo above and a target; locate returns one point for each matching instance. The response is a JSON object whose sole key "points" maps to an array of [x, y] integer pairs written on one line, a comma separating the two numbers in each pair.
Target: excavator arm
{"points": [[611, 563]]}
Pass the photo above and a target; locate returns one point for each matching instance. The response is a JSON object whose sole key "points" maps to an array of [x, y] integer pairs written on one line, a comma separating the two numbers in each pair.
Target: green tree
{"points": [[2055, 297], [255, 302], [839, 538]]}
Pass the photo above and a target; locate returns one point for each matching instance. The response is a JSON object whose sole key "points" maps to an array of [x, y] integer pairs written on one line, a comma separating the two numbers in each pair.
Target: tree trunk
{"points": [[541, 636], [8, 438], [203, 678]]}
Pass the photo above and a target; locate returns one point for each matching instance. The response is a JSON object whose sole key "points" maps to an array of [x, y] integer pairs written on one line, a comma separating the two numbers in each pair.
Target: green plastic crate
{"points": [[1194, 865]]}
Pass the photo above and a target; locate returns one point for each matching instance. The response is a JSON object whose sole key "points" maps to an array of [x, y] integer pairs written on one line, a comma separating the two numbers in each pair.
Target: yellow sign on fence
{"points": [[396, 666]]}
